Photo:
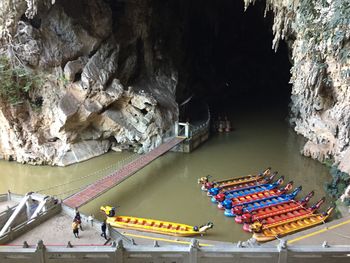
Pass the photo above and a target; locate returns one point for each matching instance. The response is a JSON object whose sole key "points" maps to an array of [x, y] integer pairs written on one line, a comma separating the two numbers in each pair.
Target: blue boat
{"points": [[216, 190], [246, 191], [241, 200], [256, 204]]}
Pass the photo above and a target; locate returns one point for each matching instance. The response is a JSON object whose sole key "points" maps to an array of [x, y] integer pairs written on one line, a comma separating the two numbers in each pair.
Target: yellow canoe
{"points": [[273, 231], [155, 226]]}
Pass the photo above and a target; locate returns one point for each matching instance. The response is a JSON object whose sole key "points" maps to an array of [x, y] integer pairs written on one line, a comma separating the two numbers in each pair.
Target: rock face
{"points": [[318, 34], [102, 86]]}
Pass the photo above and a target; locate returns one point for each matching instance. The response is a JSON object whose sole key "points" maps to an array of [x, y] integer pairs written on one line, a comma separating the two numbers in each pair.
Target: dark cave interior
{"points": [[231, 57], [223, 54]]}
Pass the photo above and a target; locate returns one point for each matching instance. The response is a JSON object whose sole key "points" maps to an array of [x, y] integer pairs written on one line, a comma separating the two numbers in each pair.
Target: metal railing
{"points": [[202, 126], [193, 253], [29, 224]]}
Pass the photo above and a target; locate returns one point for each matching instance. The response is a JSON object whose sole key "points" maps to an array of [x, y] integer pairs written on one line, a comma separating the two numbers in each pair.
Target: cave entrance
{"points": [[231, 59]]}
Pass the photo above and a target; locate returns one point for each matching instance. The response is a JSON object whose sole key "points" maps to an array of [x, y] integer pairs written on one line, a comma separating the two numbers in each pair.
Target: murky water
{"points": [[167, 189]]}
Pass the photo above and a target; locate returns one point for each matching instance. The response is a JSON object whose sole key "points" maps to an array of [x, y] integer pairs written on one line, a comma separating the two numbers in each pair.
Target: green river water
{"points": [[167, 189]]}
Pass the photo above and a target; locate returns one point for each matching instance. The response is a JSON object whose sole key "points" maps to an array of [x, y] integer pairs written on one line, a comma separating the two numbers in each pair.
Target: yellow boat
{"points": [[152, 225], [264, 233], [206, 185]]}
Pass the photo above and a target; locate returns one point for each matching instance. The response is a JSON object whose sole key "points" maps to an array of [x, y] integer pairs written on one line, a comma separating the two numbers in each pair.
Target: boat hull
{"points": [[267, 202], [271, 210], [153, 226], [271, 232], [250, 190], [234, 181]]}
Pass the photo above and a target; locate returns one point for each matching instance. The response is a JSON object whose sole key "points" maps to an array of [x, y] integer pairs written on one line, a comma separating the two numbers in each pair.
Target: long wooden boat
{"points": [[204, 181], [154, 226], [267, 233], [256, 204], [246, 191], [280, 214], [241, 200], [265, 180], [261, 213]]}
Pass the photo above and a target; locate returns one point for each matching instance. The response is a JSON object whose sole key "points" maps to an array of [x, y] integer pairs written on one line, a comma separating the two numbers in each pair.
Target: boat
{"points": [[246, 191], [241, 200], [260, 213], [217, 190], [280, 213], [204, 181], [267, 233], [152, 225], [256, 204]]}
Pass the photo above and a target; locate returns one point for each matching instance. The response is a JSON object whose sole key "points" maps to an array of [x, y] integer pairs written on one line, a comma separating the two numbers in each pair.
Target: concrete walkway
{"points": [[58, 231]]}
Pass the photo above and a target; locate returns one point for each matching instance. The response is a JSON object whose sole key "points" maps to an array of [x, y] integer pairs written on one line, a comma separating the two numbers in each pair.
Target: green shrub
{"points": [[16, 82], [340, 181]]}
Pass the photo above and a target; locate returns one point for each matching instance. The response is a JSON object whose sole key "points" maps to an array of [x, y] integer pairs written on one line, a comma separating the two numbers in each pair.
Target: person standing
{"points": [[103, 229], [78, 219], [75, 227]]}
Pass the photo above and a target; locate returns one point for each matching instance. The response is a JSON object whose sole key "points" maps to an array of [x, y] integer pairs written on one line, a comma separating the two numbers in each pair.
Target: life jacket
{"points": [[75, 225]]}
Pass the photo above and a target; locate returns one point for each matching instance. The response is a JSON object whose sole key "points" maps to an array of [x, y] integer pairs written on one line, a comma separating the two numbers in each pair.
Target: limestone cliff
{"points": [[109, 73], [104, 81], [318, 34]]}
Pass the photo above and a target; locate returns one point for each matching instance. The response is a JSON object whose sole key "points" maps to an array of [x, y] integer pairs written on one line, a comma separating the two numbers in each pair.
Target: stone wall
{"points": [[105, 83]]}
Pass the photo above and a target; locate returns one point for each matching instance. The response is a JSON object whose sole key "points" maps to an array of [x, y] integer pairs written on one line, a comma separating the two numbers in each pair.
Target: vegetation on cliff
{"points": [[17, 82], [340, 181]]}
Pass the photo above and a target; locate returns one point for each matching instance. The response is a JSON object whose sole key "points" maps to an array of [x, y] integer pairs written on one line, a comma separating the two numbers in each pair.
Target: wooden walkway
{"points": [[106, 183]]}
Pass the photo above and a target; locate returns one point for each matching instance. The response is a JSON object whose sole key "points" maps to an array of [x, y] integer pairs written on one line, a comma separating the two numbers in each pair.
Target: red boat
{"points": [[236, 201], [279, 214], [262, 213]]}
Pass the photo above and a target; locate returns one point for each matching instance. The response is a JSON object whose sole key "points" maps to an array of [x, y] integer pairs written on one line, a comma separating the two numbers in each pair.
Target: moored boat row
{"points": [[279, 214], [264, 209], [246, 191]]}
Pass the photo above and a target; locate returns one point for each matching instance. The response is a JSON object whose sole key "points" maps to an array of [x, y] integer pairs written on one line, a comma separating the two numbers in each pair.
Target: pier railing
{"points": [[29, 224], [118, 253]]}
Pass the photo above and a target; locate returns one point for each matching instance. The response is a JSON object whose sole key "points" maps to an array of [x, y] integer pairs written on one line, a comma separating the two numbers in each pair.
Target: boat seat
{"points": [[270, 220], [286, 226], [306, 221], [301, 223], [294, 225], [273, 231], [280, 228]]}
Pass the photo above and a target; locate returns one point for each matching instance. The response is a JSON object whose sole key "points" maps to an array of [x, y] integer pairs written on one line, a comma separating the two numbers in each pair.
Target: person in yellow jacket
{"points": [[75, 228]]}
